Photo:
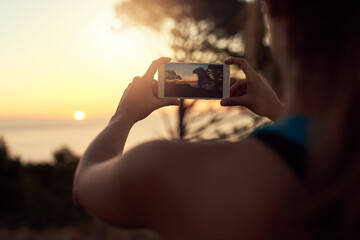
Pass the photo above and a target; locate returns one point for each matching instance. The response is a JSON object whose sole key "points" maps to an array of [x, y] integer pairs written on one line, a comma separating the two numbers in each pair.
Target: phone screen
{"points": [[193, 80]]}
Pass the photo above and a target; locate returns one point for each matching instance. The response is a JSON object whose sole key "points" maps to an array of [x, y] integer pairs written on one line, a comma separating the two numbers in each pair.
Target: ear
{"points": [[277, 8]]}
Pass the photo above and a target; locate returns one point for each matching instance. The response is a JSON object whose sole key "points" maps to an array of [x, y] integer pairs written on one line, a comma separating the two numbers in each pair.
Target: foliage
{"points": [[201, 30], [38, 196]]}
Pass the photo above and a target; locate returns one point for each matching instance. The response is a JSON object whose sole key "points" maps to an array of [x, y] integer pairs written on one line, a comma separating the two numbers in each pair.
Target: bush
{"points": [[38, 196]]}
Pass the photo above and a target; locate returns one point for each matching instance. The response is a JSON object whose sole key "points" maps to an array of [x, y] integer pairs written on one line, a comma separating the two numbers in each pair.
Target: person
{"points": [[297, 179]]}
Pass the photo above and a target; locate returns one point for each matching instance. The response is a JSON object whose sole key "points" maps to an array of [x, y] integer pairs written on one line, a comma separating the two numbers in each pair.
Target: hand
{"points": [[140, 97], [254, 92]]}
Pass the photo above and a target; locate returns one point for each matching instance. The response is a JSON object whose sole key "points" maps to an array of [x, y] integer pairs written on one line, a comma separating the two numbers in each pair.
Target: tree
{"points": [[38, 196], [65, 155], [4, 155], [201, 30], [215, 72]]}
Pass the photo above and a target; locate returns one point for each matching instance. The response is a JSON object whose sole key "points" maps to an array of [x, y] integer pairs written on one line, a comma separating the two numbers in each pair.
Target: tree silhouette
{"points": [[4, 155], [64, 155], [201, 30], [216, 73], [38, 196]]}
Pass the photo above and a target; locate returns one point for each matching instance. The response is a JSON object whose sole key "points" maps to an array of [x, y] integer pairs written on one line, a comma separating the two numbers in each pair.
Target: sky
{"points": [[185, 70], [57, 57]]}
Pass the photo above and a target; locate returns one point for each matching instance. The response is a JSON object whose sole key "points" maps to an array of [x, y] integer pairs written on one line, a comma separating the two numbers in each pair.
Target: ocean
{"points": [[35, 140]]}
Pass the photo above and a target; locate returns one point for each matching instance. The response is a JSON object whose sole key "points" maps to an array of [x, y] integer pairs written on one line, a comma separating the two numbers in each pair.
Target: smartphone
{"points": [[194, 80]]}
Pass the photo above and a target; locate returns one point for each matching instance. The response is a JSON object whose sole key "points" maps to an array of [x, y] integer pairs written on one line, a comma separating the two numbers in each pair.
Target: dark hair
{"points": [[324, 38]]}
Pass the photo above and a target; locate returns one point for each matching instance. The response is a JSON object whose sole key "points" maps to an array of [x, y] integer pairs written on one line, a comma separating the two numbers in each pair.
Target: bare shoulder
{"points": [[249, 157], [204, 183]]}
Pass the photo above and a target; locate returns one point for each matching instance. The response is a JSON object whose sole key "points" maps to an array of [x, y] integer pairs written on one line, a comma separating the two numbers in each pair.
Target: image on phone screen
{"points": [[193, 80]]}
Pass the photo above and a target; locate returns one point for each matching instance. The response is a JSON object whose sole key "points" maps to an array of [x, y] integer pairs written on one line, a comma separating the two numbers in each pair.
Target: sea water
{"points": [[35, 140]]}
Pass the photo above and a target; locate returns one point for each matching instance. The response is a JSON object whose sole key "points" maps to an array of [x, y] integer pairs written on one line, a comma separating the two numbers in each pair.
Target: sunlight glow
{"points": [[79, 115], [74, 55]]}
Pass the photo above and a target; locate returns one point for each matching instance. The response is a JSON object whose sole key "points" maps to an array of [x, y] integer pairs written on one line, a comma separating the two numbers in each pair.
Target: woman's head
{"points": [[322, 38], [317, 28]]}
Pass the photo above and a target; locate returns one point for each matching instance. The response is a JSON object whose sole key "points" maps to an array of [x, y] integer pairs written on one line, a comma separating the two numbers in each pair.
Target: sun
{"points": [[79, 115]]}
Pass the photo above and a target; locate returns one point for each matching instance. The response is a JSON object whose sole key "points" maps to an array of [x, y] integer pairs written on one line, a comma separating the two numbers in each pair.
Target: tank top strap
{"points": [[288, 137]]}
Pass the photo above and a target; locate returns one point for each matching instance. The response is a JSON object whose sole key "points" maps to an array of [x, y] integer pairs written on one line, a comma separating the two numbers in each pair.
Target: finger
{"points": [[154, 82], [233, 101], [163, 101], [168, 102], [127, 88], [239, 87], [264, 80], [154, 66], [243, 63], [155, 89], [136, 79]]}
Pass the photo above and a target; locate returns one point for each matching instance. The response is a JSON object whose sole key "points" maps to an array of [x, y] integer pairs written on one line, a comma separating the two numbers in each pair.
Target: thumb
{"points": [[168, 102], [239, 88], [172, 101], [234, 101]]}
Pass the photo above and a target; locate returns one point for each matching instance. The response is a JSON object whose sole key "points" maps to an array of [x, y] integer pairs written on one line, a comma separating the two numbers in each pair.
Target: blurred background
{"points": [[63, 68]]}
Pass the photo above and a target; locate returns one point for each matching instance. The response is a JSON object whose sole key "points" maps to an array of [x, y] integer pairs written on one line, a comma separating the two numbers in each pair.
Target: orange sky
{"points": [[61, 56]]}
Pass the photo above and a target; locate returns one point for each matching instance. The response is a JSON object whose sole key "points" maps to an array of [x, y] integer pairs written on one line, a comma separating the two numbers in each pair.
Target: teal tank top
{"points": [[289, 138]]}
